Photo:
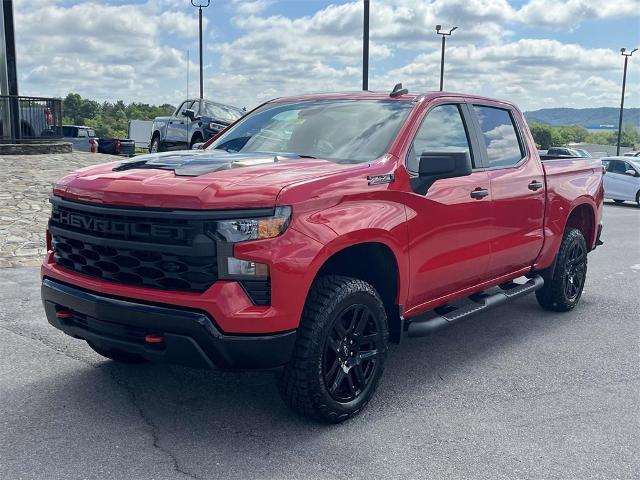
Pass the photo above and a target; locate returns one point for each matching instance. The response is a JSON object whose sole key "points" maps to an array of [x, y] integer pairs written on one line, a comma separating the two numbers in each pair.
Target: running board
{"points": [[479, 302]]}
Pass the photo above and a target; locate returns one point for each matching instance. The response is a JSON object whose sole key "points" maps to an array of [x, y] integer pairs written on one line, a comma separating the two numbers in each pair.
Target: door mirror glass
{"points": [[190, 114]]}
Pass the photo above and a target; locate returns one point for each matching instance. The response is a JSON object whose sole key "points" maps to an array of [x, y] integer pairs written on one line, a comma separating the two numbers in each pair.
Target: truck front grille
{"points": [[165, 249], [135, 266]]}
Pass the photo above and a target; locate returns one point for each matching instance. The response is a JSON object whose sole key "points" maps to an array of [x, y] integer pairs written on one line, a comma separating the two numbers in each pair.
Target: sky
{"points": [[537, 53]]}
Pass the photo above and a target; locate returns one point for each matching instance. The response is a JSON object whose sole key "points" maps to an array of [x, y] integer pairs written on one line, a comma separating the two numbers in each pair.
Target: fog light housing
{"points": [[246, 268]]}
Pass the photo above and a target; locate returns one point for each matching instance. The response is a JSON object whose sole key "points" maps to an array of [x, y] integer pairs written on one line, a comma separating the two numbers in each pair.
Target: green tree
{"points": [[542, 135]]}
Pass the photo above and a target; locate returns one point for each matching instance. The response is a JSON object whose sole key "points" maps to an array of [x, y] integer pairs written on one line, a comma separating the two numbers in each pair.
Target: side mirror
{"points": [[438, 165], [190, 114], [198, 146], [631, 172]]}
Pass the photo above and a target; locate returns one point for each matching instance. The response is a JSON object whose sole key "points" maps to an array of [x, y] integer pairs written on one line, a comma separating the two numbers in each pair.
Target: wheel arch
{"points": [[376, 263], [583, 217]]}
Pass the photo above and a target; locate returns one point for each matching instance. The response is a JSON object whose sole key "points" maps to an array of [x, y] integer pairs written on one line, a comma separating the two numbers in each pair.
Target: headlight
{"points": [[215, 126], [255, 228]]}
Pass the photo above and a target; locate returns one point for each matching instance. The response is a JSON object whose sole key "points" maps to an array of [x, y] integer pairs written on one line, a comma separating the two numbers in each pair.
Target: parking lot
{"points": [[518, 393]]}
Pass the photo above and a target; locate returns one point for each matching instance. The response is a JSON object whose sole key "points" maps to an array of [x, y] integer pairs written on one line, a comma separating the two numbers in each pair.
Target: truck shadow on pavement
{"points": [[214, 407], [199, 421]]}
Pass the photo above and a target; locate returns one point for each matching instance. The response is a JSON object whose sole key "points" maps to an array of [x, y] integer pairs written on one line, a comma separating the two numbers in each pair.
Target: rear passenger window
{"points": [[442, 130], [500, 136]]}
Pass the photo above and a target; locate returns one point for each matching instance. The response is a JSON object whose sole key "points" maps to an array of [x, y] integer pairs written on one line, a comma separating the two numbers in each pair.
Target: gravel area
{"points": [[24, 206]]}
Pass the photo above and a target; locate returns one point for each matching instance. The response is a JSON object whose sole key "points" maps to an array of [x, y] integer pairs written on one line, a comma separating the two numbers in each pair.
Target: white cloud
{"points": [[250, 7], [572, 12]]}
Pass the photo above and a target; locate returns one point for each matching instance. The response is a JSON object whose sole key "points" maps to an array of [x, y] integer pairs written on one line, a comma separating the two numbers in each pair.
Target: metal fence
{"points": [[29, 119]]}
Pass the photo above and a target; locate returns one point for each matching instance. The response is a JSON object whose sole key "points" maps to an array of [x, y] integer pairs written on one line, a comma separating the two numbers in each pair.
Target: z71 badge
{"points": [[379, 179]]}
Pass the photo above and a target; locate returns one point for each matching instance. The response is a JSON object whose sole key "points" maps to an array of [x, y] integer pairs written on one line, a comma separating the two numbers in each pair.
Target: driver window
{"points": [[442, 130]]}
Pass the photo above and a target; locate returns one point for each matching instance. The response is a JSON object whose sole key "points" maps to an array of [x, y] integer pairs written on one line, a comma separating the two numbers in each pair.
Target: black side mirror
{"points": [[190, 114], [438, 165]]}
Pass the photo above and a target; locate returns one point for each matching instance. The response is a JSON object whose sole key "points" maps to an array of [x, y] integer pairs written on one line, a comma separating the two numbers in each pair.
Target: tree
{"points": [[542, 135], [108, 119]]}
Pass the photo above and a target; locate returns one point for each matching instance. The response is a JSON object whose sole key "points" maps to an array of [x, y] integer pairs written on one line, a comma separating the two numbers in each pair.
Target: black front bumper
{"points": [[190, 337]]}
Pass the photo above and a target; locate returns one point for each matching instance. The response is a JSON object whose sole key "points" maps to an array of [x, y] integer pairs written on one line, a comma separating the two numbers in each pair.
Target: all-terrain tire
{"points": [[156, 145], [562, 292], [117, 356], [307, 384]]}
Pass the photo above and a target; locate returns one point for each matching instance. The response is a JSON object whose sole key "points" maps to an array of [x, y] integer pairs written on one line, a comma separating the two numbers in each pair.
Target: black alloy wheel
{"points": [[351, 353]]}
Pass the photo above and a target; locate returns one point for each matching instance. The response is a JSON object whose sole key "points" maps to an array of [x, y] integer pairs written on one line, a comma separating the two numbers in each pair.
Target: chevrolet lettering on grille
{"points": [[115, 227]]}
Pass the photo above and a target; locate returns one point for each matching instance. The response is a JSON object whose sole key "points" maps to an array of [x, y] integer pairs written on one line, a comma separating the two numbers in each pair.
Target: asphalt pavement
{"points": [[515, 393]]}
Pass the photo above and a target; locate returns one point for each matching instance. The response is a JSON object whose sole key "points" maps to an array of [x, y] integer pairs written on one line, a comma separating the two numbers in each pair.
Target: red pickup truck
{"points": [[314, 231]]}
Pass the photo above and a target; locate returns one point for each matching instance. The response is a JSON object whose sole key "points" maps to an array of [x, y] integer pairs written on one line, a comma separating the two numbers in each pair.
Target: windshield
{"points": [[339, 130], [220, 112]]}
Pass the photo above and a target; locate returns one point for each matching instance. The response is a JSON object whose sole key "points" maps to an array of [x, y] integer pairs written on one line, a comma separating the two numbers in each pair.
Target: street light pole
{"points": [[200, 6], [624, 82], [365, 48], [444, 35]]}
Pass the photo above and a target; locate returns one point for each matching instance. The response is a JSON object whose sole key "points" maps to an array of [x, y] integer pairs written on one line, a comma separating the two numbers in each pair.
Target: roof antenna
{"points": [[398, 90]]}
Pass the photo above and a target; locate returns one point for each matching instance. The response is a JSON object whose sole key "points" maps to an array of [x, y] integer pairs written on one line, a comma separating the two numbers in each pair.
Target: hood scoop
{"points": [[200, 163]]}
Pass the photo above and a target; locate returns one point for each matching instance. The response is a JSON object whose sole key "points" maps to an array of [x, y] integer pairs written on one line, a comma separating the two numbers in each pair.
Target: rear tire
{"points": [[562, 292], [117, 356], [638, 199], [340, 350]]}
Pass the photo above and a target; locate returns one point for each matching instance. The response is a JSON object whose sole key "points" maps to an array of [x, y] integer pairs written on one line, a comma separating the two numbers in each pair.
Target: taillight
{"points": [[49, 117], [93, 146], [49, 246], [117, 146]]}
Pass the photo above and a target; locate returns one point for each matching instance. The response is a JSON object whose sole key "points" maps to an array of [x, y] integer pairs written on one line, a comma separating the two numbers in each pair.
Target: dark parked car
{"points": [[194, 121], [564, 152], [116, 146]]}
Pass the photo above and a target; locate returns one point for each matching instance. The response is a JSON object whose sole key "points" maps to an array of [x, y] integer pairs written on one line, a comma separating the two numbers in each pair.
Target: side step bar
{"points": [[448, 315]]}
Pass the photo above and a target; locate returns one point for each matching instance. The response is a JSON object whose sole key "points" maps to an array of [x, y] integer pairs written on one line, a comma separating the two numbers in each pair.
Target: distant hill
{"points": [[586, 117]]}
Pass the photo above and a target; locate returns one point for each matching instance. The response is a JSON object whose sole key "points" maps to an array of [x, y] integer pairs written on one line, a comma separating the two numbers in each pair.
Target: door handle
{"points": [[535, 185], [479, 193]]}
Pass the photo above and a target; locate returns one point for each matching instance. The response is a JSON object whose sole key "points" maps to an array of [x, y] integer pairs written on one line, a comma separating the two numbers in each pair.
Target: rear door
{"points": [[449, 228], [518, 190]]}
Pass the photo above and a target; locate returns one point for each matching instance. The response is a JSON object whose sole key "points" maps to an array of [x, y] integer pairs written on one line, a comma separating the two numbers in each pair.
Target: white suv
{"points": [[622, 181]]}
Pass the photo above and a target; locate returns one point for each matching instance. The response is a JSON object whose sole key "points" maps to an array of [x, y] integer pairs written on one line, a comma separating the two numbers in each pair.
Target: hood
{"points": [[195, 179]]}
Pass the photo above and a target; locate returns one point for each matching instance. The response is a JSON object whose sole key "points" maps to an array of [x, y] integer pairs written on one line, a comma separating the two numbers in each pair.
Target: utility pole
{"points": [[9, 71], [624, 82], [200, 6], [444, 35], [365, 48]]}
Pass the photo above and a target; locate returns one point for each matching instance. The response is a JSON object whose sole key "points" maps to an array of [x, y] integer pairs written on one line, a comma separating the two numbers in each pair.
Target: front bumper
{"points": [[190, 337]]}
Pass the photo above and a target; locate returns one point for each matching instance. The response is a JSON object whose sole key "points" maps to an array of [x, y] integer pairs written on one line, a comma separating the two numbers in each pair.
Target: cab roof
{"points": [[370, 95]]}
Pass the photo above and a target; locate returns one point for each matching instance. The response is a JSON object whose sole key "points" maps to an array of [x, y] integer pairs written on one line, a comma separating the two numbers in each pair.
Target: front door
{"points": [[177, 129], [449, 230], [618, 184]]}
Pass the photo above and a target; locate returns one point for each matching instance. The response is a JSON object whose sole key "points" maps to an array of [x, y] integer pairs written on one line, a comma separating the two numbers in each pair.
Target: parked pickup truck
{"points": [[315, 231], [116, 146], [82, 139], [194, 121]]}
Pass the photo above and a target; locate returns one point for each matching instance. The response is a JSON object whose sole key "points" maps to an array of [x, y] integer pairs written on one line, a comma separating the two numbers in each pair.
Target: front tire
{"points": [[340, 350], [155, 146], [562, 292]]}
